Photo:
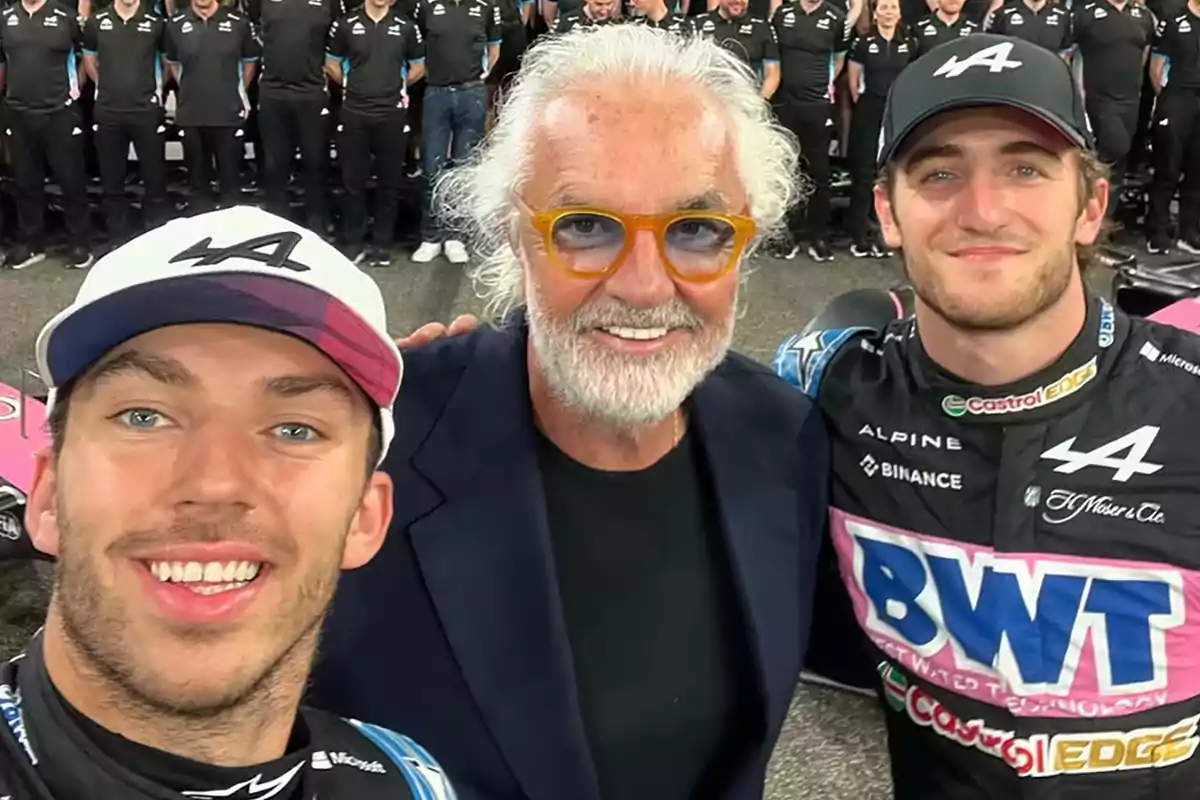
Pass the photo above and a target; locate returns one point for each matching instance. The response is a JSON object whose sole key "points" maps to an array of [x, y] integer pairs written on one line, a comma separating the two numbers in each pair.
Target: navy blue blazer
{"points": [[454, 633]]}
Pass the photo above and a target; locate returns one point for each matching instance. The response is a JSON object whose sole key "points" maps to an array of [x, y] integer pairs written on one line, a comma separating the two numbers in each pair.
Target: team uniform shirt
{"points": [[809, 41], [209, 54], [1023, 560], [881, 60], [49, 750], [577, 19], [750, 38], [293, 34], [1112, 42], [38, 52], [673, 22], [375, 59], [932, 31], [457, 36], [1048, 27], [128, 62], [1178, 41]]}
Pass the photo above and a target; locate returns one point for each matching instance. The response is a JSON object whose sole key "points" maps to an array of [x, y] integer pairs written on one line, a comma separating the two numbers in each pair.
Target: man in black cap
{"points": [[1012, 511]]}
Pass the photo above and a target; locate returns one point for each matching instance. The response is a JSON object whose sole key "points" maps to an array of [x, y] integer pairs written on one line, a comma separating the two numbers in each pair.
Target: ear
{"points": [[41, 510], [1091, 216], [370, 523], [887, 221]]}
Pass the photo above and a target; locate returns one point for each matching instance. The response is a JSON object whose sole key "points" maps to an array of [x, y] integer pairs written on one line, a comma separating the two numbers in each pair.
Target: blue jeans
{"points": [[452, 122]]}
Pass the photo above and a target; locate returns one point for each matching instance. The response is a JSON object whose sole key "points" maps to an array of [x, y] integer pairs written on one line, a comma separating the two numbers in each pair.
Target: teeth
{"points": [[208, 577], [639, 334]]}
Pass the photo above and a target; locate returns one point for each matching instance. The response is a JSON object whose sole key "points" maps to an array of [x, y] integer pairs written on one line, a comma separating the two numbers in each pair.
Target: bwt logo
{"points": [[1021, 625]]}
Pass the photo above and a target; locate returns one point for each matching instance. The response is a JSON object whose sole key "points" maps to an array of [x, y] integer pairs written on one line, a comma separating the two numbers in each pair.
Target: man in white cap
{"points": [[220, 396]]}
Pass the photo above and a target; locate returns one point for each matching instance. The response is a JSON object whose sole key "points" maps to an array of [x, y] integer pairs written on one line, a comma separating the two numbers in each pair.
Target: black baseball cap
{"points": [[978, 70]]}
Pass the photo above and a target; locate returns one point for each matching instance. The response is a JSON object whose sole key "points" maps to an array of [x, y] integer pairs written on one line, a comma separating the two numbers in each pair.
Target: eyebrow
{"points": [[920, 155], [171, 372], [708, 201]]}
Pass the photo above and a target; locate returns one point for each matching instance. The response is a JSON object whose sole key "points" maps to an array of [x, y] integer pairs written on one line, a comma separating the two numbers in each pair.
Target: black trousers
{"points": [[1176, 156], [812, 125], [114, 135], [56, 139], [1114, 123], [201, 147], [364, 142], [864, 146], [284, 125]]}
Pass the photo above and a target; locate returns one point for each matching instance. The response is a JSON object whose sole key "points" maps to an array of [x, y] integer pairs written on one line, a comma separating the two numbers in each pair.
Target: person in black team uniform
{"points": [[200, 527], [212, 54], [122, 53], [945, 24], [1042, 22], [293, 98], [462, 46], [656, 14], [1176, 50], [373, 53], [594, 12], [1113, 38], [750, 38], [38, 48], [1012, 509], [875, 61], [812, 48]]}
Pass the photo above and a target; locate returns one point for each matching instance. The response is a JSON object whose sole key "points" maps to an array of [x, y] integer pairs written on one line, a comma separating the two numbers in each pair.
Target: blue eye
{"points": [[295, 432], [141, 418]]}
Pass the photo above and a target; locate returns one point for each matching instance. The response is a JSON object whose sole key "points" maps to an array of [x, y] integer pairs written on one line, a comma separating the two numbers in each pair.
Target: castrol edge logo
{"points": [[956, 405]]}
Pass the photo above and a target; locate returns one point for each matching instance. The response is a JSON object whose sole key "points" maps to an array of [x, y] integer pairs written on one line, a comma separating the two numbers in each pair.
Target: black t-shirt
{"points": [[375, 59], [1112, 42], [210, 53], [1178, 40], [750, 38], [808, 43], [881, 60], [457, 36], [38, 52], [128, 53], [293, 36], [1049, 27], [665, 680], [932, 31]]}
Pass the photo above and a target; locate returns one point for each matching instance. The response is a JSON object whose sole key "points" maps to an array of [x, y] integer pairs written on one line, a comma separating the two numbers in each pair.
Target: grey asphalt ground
{"points": [[832, 746]]}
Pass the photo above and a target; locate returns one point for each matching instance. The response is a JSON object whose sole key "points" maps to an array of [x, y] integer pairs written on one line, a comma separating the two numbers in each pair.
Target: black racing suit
{"points": [[44, 744], [1024, 560]]}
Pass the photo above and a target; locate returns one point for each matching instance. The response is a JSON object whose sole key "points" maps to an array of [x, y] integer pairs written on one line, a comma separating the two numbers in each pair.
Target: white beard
{"points": [[610, 387]]}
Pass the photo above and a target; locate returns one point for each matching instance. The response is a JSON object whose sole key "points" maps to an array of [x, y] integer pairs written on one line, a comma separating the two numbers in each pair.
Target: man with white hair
{"points": [[598, 573]]}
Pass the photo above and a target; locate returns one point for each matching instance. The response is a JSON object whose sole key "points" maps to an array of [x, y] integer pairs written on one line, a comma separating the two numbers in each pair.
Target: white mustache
{"points": [[609, 313]]}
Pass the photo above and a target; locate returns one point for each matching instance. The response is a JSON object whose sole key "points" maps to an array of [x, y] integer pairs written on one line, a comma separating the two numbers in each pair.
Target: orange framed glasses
{"points": [[588, 242]]}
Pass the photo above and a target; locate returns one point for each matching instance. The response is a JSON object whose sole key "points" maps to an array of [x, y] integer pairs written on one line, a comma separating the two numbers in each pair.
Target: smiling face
{"points": [[987, 205], [209, 487], [628, 348]]}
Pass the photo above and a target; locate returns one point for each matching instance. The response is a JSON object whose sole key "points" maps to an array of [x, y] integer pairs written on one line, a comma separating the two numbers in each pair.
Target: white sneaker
{"points": [[427, 252], [456, 252]]}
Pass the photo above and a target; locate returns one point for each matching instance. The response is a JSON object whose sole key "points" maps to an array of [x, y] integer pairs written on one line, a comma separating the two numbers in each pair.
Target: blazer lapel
{"points": [[486, 558], [759, 512]]}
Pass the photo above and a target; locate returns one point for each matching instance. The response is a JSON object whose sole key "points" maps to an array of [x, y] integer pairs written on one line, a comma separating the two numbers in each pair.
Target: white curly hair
{"points": [[476, 198]]}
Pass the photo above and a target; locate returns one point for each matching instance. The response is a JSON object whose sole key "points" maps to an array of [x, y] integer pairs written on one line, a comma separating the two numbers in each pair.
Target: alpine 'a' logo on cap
{"points": [[995, 58], [284, 243]]}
